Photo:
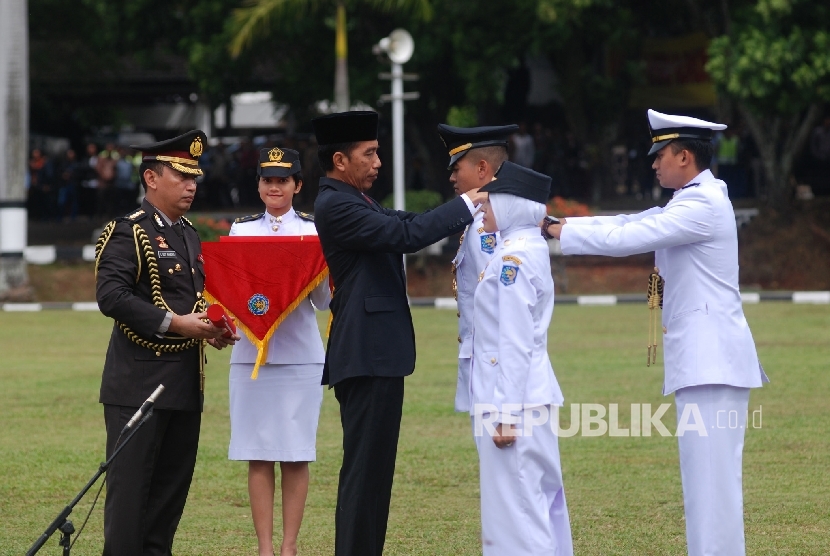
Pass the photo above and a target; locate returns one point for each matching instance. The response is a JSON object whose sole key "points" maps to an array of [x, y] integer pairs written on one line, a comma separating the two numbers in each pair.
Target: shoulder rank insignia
{"points": [[512, 258], [488, 243], [481, 230], [136, 215], [509, 272], [188, 222], [250, 218], [158, 220], [305, 216]]}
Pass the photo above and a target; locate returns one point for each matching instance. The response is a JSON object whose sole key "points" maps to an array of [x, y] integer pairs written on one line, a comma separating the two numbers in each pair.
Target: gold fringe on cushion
{"points": [[262, 345]]}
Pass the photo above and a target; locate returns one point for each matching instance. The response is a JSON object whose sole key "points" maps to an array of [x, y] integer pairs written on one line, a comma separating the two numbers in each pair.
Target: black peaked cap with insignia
{"points": [[521, 182], [460, 140], [181, 153], [277, 162], [346, 127]]}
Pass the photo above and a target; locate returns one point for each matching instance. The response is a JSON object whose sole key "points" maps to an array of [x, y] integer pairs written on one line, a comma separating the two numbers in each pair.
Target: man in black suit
{"points": [[372, 342], [149, 279]]}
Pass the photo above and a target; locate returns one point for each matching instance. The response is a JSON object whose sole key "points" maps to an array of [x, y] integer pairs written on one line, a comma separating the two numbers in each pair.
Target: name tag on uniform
{"points": [[167, 254]]}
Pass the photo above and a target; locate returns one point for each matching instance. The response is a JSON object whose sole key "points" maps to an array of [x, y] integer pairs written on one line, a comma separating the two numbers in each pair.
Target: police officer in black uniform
{"points": [[372, 343], [149, 279]]}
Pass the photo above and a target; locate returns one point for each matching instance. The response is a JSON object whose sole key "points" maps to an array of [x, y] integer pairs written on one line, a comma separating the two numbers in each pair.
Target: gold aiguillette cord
{"points": [[655, 301]]}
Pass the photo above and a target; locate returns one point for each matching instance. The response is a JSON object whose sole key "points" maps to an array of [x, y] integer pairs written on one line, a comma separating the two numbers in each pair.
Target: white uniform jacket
{"points": [[695, 239], [476, 249], [297, 340], [513, 308], [474, 253]]}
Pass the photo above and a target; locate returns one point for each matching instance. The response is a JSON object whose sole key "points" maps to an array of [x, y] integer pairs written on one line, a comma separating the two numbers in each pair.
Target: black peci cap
{"points": [[181, 153], [279, 163], [521, 182], [346, 127], [459, 140]]}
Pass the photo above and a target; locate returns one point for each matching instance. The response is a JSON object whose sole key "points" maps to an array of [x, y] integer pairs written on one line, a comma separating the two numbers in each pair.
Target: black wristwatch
{"points": [[547, 222]]}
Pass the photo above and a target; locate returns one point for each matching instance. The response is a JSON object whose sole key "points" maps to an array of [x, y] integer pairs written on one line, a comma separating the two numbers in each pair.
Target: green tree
{"points": [[256, 20], [775, 65]]}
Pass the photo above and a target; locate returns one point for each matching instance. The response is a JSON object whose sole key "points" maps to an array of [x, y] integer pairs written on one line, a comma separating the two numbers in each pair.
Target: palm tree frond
{"points": [[254, 20]]}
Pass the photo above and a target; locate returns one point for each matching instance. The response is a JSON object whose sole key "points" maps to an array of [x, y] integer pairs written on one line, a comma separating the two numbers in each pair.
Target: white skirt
{"points": [[274, 418]]}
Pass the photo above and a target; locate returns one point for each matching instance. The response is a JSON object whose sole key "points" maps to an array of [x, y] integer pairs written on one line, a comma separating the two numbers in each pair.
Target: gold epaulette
{"points": [[305, 216], [250, 218]]}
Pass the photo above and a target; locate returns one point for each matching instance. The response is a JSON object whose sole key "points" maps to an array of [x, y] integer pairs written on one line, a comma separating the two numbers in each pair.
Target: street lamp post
{"points": [[398, 46]]}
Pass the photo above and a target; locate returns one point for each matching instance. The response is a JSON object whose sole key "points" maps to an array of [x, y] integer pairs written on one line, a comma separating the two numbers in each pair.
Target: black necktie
{"points": [[177, 227]]}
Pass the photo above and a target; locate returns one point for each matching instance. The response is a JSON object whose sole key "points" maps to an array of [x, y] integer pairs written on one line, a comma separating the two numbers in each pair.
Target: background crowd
{"points": [[102, 181]]}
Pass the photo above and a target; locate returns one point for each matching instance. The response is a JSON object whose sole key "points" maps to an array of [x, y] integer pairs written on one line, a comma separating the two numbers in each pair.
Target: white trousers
{"points": [[523, 508], [710, 468]]}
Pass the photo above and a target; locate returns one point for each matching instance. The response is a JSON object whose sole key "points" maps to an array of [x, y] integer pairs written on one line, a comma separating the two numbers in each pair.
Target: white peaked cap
{"points": [[658, 120], [665, 128]]}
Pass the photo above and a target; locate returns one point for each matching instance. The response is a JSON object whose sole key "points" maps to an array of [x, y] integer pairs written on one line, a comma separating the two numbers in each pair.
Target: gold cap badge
{"points": [[275, 155], [196, 147]]}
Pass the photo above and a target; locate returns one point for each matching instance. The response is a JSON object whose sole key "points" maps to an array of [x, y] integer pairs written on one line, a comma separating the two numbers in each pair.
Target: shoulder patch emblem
{"points": [[488, 243], [509, 273], [158, 220], [512, 258], [481, 230], [136, 215], [305, 216], [250, 218]]}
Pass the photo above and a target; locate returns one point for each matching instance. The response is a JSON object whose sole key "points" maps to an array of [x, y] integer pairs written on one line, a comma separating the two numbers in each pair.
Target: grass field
{"points": [[624, 493]]}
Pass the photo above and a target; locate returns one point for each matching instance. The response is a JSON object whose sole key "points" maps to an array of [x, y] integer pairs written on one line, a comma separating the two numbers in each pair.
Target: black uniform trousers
{"points": [[148, 482], [370, 412]]}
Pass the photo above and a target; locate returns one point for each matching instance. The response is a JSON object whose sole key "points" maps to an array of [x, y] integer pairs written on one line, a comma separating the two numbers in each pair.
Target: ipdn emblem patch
{"points": [[488, 243], [258, 304], [509, 273]]}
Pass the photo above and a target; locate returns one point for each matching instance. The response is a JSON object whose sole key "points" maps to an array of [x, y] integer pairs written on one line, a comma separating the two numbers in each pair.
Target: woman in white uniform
{"points": [[274, 418], [514, 392]]}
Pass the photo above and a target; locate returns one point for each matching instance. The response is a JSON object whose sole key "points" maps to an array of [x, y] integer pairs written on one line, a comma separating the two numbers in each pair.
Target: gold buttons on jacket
{"points": [[459, 339], [170, 270], [198, 295], [665, 330], [178, 267], [493, 360], [158, 354]]}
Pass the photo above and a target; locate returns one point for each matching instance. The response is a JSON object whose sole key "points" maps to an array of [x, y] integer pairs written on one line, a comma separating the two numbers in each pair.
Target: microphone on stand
{"points": [[145, 407], [218, 318]]}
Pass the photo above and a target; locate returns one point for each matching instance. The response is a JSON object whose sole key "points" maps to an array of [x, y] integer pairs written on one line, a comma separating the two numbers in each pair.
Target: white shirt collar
{"points": [[705, 175], [287, 216]]}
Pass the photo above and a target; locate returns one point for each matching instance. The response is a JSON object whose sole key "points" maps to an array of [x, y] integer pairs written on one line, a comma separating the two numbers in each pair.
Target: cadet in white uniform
{"points": [[523, 509], [710, 358], [476, 153], [274, 418]]}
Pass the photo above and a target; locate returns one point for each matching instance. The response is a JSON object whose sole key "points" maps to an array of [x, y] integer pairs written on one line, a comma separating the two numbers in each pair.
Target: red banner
{"points": [[259, 280]]}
